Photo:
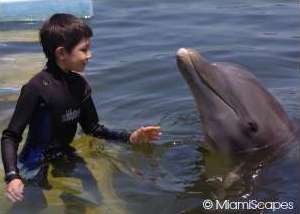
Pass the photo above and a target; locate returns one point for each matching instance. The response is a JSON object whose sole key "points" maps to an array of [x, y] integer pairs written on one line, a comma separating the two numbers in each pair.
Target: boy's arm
{"points": [[89, 122], [13, 134]]}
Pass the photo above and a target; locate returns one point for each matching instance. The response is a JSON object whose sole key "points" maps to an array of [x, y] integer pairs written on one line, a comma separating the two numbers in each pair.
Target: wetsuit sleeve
{"points": [[89, 122], [12, 136]]}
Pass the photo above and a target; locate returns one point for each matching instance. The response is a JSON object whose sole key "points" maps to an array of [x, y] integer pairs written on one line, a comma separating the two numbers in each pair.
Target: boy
{"points": [[52, 103]]}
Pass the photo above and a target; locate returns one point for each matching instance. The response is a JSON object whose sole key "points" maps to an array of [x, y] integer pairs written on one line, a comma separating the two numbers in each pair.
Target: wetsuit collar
{"points": [[52, 67]]}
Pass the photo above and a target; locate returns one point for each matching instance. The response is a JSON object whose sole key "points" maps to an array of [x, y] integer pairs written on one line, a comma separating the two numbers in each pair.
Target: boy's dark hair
{"points": [[63, 30]]}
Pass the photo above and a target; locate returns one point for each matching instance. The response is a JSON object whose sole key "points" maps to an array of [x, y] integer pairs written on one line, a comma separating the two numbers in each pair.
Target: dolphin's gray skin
{"points": [[237, 112]]}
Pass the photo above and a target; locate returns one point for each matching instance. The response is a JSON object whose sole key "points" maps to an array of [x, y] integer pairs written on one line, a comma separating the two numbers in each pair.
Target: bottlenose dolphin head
{"points": [[237, 112]]}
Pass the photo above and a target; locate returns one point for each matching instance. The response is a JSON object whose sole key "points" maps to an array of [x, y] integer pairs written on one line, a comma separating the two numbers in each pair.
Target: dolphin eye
{"points": [[252, 126]]}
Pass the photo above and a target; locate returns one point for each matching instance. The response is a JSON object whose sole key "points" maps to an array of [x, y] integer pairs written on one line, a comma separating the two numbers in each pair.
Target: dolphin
{"points": [[238, 114]]}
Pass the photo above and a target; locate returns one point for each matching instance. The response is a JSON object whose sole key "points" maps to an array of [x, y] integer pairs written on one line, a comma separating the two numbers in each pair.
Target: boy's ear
{"points": [[60, 53]]}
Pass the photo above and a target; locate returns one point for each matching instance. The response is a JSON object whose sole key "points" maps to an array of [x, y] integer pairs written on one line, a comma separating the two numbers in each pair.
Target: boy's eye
{"points": [[84, 49]]}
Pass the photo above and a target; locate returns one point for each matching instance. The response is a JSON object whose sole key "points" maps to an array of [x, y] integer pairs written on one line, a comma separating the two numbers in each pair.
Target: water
{"points": [[37, 10], [135, 82]]}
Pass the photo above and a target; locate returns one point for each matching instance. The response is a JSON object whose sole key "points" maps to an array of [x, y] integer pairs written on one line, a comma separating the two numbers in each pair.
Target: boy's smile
{"points": [[77, 59]]}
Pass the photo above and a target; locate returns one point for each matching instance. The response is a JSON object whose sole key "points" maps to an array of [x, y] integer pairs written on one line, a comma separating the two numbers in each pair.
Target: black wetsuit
{"points": [[53, 102]]}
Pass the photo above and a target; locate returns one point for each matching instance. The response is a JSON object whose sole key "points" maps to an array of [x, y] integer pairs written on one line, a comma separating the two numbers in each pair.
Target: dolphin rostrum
{"points": [[237, 112]]}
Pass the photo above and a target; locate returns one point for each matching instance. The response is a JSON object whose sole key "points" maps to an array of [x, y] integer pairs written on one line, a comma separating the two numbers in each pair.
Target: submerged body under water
{"points": [[135, 82]]}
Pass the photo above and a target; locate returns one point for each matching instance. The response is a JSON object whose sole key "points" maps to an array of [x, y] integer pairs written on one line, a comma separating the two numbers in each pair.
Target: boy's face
{"points": [[77, 59]]}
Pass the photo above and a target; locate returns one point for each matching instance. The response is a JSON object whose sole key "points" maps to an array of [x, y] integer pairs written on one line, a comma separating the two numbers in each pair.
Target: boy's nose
{"points": [[89, 55]]}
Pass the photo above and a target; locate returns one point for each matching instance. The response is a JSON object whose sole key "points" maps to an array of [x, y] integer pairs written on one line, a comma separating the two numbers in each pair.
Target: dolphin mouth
{"points": [[191, 58]]}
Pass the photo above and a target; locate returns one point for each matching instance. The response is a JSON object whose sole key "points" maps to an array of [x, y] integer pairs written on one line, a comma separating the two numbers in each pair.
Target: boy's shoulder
{"points": [[46, 83], [39, 80], [44, 78]]}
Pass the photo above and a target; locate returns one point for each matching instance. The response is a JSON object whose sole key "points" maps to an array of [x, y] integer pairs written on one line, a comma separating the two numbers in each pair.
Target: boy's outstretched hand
{"points": [[145, 134]]}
